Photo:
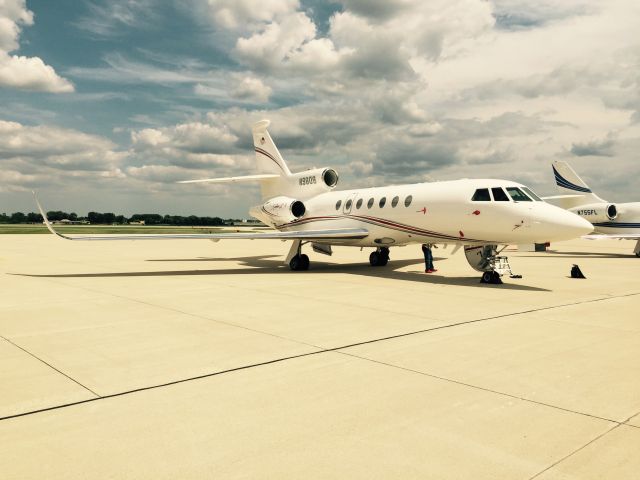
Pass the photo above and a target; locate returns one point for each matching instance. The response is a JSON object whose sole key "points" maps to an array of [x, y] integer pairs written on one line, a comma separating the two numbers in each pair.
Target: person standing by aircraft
{"points": [[428, 258]]}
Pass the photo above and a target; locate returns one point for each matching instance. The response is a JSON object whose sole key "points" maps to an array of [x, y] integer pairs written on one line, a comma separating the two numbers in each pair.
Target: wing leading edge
{"points": [[341, 233], [612, 236]]}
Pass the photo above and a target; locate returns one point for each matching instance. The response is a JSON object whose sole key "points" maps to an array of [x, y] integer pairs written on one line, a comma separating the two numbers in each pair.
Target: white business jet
{"points": [[616, 221], [479, 215]]}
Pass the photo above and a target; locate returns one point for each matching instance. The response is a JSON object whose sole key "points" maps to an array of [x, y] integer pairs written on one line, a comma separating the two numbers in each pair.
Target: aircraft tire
{"points": [[304, 262], [487, 277], [295, 263], [374, 259]]}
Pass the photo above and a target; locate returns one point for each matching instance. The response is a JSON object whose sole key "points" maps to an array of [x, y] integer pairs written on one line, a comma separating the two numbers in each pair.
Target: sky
{"points": [[105, 105]]}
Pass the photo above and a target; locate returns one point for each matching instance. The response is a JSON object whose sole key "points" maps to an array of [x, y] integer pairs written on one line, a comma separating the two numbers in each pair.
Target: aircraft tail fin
{"points": [[575, 190], [273, 174], [268, 158]]}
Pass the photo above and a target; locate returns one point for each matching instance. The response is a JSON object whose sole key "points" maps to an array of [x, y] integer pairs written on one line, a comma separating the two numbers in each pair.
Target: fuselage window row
{"points": [[371, 201]]}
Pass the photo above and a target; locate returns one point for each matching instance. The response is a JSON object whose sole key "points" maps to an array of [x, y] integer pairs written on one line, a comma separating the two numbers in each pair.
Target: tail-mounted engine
{"points": [[279, 210], [597, 212], [314, 182]]}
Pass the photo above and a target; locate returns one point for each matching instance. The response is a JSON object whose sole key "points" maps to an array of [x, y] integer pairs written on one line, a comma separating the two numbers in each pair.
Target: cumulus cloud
{"points": [[277, 42], [24, 73], [32, 156], [250, 88], [242, 13], [598, 148]]}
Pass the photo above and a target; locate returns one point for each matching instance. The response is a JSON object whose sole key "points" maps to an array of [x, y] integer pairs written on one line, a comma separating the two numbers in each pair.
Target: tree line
{"points": [[97, 218]]}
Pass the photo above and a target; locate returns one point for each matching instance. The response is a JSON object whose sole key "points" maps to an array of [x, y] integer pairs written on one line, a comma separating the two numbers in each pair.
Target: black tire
{"points": [[304, 262], [487, 277], [495, 278], [294, 263], [374, 259], [384, 259]]}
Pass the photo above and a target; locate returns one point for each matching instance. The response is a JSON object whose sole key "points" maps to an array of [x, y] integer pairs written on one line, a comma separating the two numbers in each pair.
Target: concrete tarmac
{"points": [[192, 359]]}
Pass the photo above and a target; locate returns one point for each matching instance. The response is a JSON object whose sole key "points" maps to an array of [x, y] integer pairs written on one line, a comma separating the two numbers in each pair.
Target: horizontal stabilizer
{"points": [[245, 178]]}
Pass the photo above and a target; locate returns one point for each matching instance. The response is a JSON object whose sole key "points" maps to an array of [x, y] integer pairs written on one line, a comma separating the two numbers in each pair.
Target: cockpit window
{"points": [[517, 194], [531, 194], [481, 195], [499, 195]]}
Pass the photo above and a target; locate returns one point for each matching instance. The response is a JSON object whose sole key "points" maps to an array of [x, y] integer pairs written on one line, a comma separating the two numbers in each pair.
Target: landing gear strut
{"points": [[380, 257]]}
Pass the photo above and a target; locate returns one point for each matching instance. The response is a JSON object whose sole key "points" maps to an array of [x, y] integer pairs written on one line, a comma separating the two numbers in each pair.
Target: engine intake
{"points": [[298, 209], [330, 177], [279, 210]]}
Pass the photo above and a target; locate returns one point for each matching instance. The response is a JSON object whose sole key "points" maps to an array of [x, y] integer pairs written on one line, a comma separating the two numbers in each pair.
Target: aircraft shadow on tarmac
{"points": [[270, 264]]}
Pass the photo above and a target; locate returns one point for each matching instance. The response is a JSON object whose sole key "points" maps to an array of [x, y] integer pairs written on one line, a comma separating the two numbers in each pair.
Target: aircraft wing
{"points": [[339, 233], [612, 236]]}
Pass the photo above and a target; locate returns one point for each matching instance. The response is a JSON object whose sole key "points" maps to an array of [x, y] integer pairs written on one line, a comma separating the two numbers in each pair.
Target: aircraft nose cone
{"points": [[573, 226]]}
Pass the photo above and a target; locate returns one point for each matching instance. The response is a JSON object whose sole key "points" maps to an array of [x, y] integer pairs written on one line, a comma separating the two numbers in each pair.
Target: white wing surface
{"points": [[612, 236], [342, 233]]}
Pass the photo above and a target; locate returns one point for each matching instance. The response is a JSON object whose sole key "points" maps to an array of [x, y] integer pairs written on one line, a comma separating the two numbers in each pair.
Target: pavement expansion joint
{"points": [[572, 453], [31, 354], [484, 389]]}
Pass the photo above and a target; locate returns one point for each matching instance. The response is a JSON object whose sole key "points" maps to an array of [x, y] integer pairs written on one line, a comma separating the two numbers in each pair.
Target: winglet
{"points": [[46, 220]]}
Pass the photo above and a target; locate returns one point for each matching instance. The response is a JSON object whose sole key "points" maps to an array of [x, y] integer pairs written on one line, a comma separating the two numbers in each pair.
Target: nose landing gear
{"points": [[379, 257], [491, 277]]}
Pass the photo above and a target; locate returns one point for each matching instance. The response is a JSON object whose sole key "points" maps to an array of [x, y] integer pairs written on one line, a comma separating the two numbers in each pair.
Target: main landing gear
{"points": [[380, 257], [297, 261]]}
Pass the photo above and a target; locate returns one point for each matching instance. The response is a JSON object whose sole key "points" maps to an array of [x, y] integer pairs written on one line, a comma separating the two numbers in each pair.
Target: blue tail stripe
{"points": [[564, 183]]}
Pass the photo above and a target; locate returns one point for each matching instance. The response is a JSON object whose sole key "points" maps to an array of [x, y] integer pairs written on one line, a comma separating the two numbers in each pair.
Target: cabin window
{"points": [[531, 194], [407, 201], [481, 195], [370, 203], [499, 195], [347, 206], [394, 202], [517, 194], [383, 200], [338, 203], [359, 203]]}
